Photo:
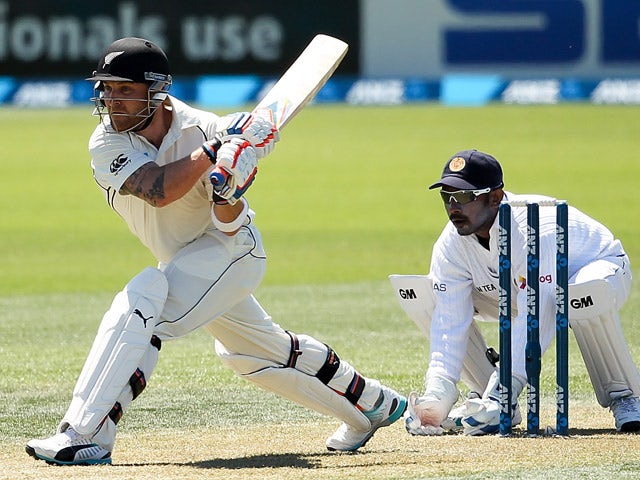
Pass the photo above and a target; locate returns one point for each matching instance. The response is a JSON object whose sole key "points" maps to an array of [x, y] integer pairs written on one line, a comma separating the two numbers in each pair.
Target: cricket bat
{"points": [[298, 85]]}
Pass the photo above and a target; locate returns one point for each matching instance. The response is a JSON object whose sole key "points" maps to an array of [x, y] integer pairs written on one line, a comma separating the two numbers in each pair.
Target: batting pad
{"points": [[122, 339], [299, 387], [596, 326]]}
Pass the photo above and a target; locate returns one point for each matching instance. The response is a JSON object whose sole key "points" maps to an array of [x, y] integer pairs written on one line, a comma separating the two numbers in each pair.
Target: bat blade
{"points": [[297, 86], [304, 78]]}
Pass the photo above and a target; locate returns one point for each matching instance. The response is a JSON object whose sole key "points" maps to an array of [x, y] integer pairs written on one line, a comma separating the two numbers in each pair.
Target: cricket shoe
{"points": [[389, 408], [626, 411], [68, 448]]}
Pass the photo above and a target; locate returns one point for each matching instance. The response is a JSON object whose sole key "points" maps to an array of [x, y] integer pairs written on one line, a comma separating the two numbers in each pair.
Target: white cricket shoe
{"points": [[391, 407], [626, 411], [68, 448]]}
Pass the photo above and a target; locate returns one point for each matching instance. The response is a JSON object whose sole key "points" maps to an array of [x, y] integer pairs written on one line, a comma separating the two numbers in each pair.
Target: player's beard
{"points": [[476, 220], [131, 122]]}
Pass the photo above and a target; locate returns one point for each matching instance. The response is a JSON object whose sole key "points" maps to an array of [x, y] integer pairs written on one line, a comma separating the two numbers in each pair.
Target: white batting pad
{"points": [[299, 387], [122, 339], [590, 299]]}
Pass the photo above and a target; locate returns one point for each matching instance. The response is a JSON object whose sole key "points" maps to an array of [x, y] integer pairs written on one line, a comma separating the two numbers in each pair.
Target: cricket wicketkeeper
{"points": [[462, 288]]}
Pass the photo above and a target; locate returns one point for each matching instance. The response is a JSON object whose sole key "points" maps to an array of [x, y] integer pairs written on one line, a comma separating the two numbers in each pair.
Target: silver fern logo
{"points": [[108, 58]]}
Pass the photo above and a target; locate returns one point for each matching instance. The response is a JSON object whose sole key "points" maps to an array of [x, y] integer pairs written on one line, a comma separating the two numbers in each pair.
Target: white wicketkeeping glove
{"points": [[237, 158], [481, 416], [258, 129], [426, 413]]}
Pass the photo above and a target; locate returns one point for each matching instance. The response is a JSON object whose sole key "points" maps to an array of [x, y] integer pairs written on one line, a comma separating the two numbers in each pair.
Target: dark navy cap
{"points": [[471, 170]]}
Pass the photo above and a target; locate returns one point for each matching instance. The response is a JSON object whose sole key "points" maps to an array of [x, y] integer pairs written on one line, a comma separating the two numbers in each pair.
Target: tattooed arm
{"points": [[161, 185]]}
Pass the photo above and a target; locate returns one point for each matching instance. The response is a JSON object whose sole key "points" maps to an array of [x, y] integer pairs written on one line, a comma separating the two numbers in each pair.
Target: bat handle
{"points": [[218, 178]]}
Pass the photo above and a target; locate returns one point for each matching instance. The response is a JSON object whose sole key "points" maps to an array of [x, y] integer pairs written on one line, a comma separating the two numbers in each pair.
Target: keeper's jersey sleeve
{"points": [[453, 313]]}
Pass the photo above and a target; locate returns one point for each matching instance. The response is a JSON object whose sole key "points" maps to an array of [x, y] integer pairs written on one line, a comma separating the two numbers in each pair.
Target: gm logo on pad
{"points": [[407, 293]]}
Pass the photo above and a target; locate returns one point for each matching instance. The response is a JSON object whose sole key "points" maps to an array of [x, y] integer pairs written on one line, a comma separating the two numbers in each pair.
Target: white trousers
{"points": [[211, 284]]}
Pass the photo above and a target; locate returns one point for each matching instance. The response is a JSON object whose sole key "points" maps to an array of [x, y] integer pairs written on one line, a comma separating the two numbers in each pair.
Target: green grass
{"points": [[342, 199], [342, 203], [197, 420]]}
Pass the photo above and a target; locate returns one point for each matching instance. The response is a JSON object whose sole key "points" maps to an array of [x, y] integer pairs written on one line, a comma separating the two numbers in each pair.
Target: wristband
{"points": [[233, 225], [211, 149]]}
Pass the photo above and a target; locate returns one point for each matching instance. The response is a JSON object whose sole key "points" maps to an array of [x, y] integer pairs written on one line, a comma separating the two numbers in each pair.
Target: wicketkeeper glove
{"points": [[426, 413], [481, 416]]}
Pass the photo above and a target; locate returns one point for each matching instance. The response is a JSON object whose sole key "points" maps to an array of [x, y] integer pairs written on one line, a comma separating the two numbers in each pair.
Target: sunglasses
{"points": [[462, 197]]}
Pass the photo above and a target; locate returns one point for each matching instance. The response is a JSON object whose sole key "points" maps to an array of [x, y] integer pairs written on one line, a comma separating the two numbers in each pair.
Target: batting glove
{"points": [[236, 168], [211, 149], [258, 129]]}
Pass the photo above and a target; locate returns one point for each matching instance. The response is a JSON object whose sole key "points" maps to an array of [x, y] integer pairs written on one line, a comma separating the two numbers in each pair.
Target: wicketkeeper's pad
{"points": [[596, 325]]}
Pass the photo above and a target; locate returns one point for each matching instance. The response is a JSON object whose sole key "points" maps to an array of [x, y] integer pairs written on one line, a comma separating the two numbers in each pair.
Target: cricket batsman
{"points": [[151, 156]]}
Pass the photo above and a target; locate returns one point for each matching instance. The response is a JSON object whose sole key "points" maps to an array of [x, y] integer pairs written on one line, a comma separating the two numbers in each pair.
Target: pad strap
{"points": [[137, 382], [492, 356], [356, 387], [295, 350], [330, 367], [156, 342], [116, 413]]}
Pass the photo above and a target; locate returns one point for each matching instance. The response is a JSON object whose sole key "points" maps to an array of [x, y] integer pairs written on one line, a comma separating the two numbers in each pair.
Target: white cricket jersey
{"points": [[461, 265], [115, 156]]}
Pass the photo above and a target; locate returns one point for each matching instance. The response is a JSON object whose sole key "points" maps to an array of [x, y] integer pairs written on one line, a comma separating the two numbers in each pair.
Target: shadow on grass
{"points": [[273, 460], [574, 432], [311, 461], [589, 432], [290, 460]]}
